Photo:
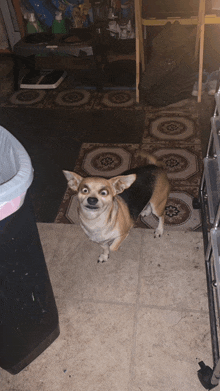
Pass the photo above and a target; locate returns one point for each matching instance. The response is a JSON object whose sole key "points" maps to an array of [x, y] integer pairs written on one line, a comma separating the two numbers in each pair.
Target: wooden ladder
{"points": [[199, 48], [140, 62]]}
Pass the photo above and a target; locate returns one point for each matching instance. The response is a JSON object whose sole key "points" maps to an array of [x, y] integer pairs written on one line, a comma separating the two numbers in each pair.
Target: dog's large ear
{"points": [[120, 183], [73, 179]]}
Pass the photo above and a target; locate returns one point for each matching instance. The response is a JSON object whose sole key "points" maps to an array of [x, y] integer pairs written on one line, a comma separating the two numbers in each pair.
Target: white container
{"points": [[16, 173]]}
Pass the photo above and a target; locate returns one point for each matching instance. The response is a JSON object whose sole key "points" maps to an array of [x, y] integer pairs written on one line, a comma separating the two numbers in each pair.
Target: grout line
{"points": [[140, 305], [94, 301], [174, 309], [134, 336], [49, 257]]}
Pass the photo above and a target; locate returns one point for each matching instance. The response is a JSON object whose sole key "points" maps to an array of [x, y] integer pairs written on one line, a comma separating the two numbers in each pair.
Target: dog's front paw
{"points": [[102, 258], [158, 233]]}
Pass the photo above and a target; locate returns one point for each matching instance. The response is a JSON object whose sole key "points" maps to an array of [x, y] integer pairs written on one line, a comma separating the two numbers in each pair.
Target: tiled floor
{"points": [[138, 322]]}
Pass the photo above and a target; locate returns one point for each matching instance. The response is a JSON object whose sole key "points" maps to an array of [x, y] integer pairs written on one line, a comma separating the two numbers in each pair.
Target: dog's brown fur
{"points": [[105, 216]]}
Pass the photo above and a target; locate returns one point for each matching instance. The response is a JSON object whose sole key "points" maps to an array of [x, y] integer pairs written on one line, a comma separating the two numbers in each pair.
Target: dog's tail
{"points": [[151, 159]]}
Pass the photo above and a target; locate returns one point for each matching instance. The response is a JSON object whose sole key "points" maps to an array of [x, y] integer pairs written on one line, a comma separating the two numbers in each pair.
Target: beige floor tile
{"points": [[76, 274], [169, 345], [51, 235], [138, 322], [92, 353], [173, 271]]}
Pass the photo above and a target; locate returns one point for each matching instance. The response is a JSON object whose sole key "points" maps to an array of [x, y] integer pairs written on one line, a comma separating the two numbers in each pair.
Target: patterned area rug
{"points": [[172, 135], [65, 96]]}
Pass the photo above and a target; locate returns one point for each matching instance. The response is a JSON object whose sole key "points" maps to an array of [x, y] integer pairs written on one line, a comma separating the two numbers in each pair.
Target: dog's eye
{"points": [[104, 192], [85, 190]]}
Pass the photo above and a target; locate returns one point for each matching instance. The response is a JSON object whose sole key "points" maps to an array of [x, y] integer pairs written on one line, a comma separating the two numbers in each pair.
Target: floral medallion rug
{"points": [[72, 98], [172, 135]]}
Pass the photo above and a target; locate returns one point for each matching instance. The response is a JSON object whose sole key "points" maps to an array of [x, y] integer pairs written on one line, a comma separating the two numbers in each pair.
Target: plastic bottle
{"points": [[33, 26], [129, 26], [59, 26]]}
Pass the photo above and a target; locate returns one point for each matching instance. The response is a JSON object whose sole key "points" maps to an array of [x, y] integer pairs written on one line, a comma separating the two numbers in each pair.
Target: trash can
{"points": [[28, 313]]}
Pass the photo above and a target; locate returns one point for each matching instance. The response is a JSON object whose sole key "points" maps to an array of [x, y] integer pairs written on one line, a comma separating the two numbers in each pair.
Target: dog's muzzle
{"points": [[92, 201]]}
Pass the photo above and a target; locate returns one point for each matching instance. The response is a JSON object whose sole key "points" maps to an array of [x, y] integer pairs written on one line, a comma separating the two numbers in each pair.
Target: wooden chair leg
{"points": [[141, 36], [201, 48], [198, 33], [139, 46], [137, 43]]}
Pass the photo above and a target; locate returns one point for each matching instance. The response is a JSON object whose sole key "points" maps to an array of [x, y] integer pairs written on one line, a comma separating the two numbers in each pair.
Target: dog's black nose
{"points": [[92, 200]]}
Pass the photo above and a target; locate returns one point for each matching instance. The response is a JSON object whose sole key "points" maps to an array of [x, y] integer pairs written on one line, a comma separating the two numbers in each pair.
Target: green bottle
{"points": [[59, 26], [33, 26]]}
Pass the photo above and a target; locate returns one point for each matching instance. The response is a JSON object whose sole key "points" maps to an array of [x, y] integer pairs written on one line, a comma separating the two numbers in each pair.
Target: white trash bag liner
{"points": [[16, 173]]}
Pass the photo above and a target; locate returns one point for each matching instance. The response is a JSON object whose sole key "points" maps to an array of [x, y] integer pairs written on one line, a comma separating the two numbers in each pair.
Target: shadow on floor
{"points": [[53, 140]]}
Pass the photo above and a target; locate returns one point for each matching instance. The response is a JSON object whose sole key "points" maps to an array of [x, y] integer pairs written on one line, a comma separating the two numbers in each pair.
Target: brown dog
{"points": [[107, 217]]}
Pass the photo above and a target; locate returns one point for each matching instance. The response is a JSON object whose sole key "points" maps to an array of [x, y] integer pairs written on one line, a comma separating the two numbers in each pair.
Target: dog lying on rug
{"points": [[107, 217]]}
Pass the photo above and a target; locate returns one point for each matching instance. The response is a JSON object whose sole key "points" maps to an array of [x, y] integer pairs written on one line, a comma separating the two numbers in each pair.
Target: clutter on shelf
{"points": [[59, 25], [33, 25], [59, 16], [210, 83], [121, 30]]}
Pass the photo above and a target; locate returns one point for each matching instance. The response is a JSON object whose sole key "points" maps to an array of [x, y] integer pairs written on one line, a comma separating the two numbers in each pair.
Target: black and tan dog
{"points": [[107, 217]]}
